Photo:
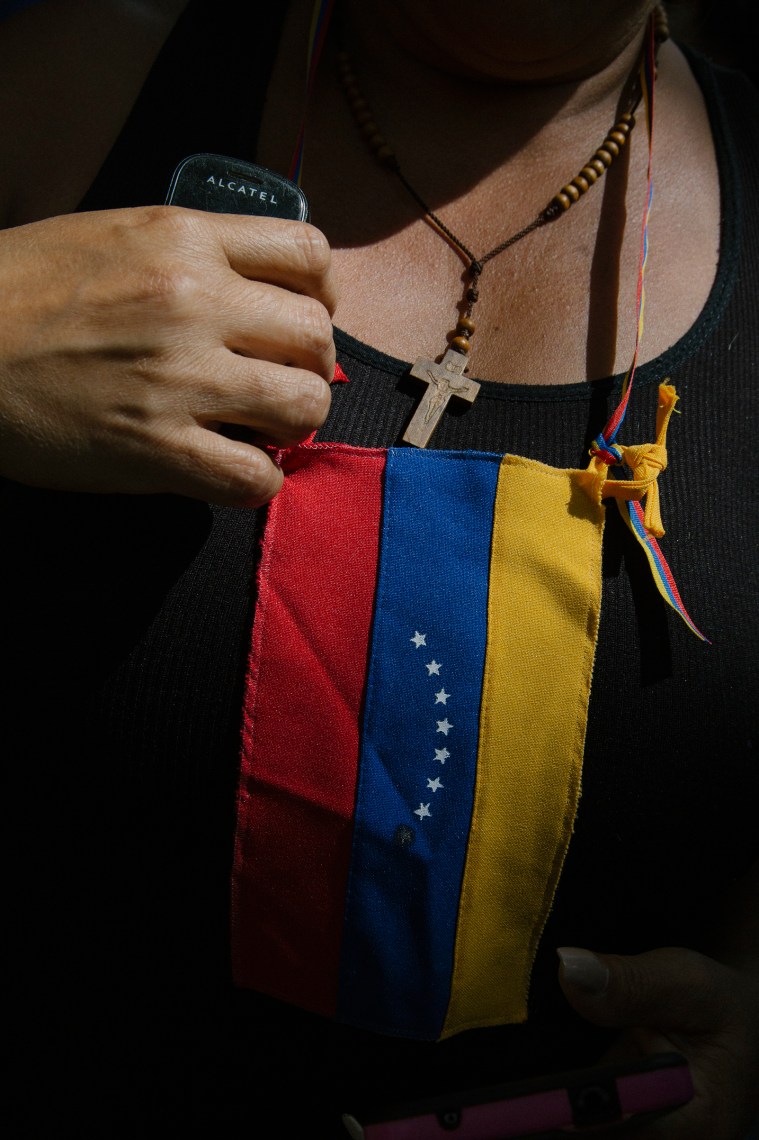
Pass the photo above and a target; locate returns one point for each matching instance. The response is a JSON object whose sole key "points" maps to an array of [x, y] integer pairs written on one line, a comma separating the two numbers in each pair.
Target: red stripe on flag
{"points": [[301, 724]]}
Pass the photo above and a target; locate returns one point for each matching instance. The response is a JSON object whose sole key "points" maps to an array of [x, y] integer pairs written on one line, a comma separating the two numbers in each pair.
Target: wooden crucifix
{"points": [[445, 380]]}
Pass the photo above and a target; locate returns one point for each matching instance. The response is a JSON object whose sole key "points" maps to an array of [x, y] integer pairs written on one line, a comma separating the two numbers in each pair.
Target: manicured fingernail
{"points": [[584, 970]]}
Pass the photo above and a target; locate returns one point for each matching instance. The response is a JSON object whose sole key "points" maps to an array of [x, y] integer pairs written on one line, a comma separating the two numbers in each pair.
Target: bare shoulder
{"points": [[685, 221]]}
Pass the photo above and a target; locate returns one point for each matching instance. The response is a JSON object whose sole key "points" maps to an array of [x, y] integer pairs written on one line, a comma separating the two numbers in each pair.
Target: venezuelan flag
{"points": [[413, 732]]}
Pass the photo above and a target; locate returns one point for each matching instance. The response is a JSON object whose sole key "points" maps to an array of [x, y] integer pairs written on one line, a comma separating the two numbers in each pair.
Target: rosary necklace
{"points": [[447, 378]]}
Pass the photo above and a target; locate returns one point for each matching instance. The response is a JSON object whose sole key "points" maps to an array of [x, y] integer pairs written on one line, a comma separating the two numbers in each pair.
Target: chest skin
{"points": [[560, 305]]}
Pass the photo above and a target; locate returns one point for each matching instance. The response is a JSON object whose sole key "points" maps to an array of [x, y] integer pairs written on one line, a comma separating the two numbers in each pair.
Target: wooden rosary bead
{"points": [[461, 344], [386, 155], [465, 326], [661, 24], [597, 165], [369, 128]]}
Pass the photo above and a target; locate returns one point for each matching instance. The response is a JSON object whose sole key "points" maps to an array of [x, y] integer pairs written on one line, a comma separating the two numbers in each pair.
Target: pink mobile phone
{"points": [[555, 1106]]}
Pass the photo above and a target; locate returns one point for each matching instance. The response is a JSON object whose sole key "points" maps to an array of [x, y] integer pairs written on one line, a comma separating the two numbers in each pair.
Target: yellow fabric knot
{"points": [[646, 461]]}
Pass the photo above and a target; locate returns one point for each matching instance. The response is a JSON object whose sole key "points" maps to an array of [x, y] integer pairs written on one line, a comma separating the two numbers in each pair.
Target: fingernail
{"points": [[584, 970]]}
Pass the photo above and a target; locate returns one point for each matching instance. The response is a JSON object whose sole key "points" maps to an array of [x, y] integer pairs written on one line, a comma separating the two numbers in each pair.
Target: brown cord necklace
{"points": [[446, 379]]}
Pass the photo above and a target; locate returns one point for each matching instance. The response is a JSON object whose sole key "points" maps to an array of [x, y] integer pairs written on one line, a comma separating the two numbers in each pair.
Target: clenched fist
{"points": [[128, 337]]}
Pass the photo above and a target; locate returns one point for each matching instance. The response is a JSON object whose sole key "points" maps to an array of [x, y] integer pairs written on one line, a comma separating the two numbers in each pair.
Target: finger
{"points": [[293, 255], [284, 404], [672, 990], [270, 323], [227, 472]]}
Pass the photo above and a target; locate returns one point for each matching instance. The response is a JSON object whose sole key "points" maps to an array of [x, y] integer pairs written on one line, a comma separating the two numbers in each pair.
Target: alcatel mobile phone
{"points": [[556, 1107], [229, 186]]}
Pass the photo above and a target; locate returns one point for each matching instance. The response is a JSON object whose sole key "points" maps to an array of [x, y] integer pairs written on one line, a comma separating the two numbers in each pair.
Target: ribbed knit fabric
{"points": [[127, 622]]}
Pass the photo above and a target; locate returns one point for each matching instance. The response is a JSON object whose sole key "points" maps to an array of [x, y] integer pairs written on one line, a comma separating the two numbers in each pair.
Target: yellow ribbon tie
{"points": [[646, 461]]}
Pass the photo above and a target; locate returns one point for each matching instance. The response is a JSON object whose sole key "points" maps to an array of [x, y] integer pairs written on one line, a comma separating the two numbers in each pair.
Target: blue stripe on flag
{"points": [[419, 741]]}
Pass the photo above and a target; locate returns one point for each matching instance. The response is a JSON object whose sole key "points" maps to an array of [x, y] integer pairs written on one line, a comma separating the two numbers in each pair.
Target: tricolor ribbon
{"points": [[645, 524], [605, 441], [317, 36]]}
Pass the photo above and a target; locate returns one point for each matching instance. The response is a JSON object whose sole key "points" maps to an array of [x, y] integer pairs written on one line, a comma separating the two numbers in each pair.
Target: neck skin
{"points": [[469, 97], [519, 42]]}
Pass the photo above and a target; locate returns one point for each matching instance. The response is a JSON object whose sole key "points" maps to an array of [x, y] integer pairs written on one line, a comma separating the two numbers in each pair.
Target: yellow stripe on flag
{"points": [[544, 602]]}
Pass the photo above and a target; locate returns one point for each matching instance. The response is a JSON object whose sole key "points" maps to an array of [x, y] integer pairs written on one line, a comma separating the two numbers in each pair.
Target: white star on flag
{"points": [[442, 754], [434, 784], [419, 639], [444, 726], [423, 811], [441, 698], [433, 667]]}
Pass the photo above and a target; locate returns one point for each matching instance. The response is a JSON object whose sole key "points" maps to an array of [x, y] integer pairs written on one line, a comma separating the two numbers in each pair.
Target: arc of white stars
{"points": [[441, 698]]}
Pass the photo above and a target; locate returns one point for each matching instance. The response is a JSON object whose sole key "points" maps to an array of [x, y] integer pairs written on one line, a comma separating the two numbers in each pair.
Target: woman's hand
{"points": [[678, 1000], [128, 337]]}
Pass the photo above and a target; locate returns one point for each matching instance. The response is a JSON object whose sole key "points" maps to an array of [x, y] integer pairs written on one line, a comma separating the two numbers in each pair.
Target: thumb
{"points": [[671, 989]]}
